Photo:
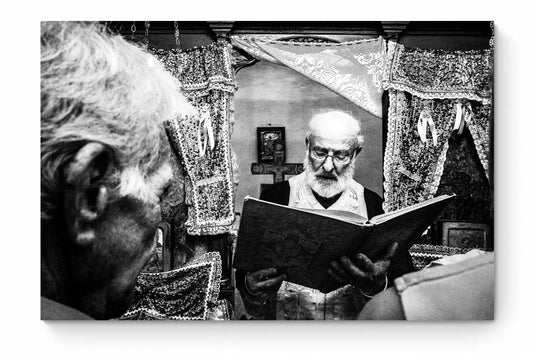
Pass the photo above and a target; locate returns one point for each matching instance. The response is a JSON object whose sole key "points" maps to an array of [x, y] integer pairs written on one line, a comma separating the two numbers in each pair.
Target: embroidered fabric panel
{"points": [[209, 183], [203, 141], [187, 293], [438, 74], [354, 69], [412, 168], [200, 69], [479, 128]]}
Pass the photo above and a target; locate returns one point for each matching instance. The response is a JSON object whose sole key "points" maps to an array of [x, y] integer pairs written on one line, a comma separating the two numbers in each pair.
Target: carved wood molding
{"points": [[394, 29], [221, 29]]}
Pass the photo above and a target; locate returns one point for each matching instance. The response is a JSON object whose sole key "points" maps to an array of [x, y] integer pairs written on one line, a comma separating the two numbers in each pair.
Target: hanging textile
{"points": [[432, 93], [352, 69], [479, 128], [438, 74], [187, 293], [203, 139], [417, 142], [413, 167]]}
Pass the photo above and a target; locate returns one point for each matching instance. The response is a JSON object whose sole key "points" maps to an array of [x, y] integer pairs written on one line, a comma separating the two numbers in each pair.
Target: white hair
{"points": [[97, 87], [133, 183], [336, 124]]}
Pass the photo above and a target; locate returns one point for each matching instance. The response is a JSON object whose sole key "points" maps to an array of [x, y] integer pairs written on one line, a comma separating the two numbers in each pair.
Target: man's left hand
{"points": [[362, 272]]}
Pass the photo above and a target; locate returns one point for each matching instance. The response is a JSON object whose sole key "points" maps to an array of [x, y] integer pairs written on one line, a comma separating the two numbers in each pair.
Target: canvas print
{"points": [[236, 171]]}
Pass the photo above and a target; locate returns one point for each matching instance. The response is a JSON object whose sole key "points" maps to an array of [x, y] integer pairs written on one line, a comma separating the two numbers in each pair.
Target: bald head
{"points": [[335, 125]]}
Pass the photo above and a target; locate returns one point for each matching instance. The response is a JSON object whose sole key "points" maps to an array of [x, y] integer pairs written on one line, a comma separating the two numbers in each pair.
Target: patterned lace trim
{"points": [[425, 178], [207, 79], [211, 259], [398, 102], [203, 218], [479, 129], [438, 171], [194, 68], [480, 149], [277, 40], [435, 95], [214, 277], [476, 65]]}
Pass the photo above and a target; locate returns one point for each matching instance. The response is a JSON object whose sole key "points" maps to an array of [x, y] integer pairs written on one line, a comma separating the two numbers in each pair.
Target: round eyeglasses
{"points": [[340, 156]]}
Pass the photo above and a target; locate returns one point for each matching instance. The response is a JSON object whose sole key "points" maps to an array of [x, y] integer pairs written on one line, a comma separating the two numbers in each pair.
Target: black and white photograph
{"points": [[256, 170], [266, 177], [370, 194]]}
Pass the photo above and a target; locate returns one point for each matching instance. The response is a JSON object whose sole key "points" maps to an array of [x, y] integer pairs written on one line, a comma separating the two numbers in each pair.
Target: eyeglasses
{"points": [[340, 156]]}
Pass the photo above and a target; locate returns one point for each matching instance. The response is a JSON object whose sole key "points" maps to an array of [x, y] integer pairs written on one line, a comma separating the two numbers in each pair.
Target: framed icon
{"points": [[271, 145]]}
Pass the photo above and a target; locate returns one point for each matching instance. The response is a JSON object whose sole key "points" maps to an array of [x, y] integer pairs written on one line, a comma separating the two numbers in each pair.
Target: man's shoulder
{"points": [[52, 310], [277, 193], [374, 203], [373, 196]]}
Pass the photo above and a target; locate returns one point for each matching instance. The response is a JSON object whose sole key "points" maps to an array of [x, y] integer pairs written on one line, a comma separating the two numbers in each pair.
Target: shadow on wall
{"points": [[277, 96]]}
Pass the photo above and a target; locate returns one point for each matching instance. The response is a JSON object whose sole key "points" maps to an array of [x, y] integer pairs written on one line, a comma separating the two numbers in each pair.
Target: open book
{"points": [[302, 243]]}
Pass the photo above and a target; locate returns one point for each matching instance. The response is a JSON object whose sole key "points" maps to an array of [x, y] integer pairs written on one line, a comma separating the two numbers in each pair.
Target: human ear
{"points": [[86, 195]]}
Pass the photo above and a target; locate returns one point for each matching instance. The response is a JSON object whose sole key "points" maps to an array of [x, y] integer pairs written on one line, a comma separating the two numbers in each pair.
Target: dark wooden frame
{"points": [[473, 235], [278, 158]]}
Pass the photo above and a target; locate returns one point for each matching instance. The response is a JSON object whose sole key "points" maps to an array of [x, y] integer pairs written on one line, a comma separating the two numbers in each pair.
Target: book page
{"points": [[340, 215], [390, 215], [344, 216]]}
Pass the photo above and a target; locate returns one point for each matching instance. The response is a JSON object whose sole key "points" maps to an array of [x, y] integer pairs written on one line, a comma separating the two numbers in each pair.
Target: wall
{"points": [[274, 95]]}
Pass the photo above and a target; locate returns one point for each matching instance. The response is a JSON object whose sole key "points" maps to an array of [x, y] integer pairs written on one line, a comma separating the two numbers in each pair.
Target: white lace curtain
{"points": [[353, 69]]}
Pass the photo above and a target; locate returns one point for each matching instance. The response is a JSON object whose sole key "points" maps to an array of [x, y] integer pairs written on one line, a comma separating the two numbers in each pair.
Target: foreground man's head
{"points": [[104, 164], [333, 141]]}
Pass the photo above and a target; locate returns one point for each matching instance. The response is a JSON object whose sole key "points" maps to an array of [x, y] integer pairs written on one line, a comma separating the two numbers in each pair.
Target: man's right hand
{"points": [[263, 282]]}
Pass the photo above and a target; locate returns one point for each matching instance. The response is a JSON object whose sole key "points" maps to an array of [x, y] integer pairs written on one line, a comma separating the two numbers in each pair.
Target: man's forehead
{"points": [[335, 143]]}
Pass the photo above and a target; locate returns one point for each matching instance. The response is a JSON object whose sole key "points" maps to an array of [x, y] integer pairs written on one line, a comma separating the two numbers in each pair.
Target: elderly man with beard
{"points": [[104, 167], [333, 142]]}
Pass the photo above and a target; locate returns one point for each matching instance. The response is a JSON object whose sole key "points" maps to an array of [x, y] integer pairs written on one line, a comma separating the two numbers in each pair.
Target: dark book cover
{"points": [[302, 243]]}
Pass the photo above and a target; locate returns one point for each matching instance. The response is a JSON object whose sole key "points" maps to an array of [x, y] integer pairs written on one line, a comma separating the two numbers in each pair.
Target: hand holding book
{"points": [[302, 244], [370, 277], [263, 282]]}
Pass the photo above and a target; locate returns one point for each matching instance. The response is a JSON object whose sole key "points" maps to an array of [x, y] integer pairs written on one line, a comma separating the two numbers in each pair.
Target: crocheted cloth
{"points": [[424, 254], [480, 129], [203, 141], [187, 293], [438, 74], [352, 69]]}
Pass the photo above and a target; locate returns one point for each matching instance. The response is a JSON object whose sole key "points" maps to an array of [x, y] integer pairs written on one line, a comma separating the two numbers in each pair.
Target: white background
{"points": [[23, 332]]}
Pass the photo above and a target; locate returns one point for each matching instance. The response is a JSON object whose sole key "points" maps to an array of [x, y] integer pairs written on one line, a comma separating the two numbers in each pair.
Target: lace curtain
{"points": [[432, 93], [203, 140], [353, 69]]}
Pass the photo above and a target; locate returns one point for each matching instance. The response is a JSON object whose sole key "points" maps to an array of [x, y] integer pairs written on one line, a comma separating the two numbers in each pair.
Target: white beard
{"points": [[327, 187]]}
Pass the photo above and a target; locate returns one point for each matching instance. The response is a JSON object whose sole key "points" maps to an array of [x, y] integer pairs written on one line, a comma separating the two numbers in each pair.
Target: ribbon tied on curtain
{"points": [[463, 115], [424, 120], [205, 131]]}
